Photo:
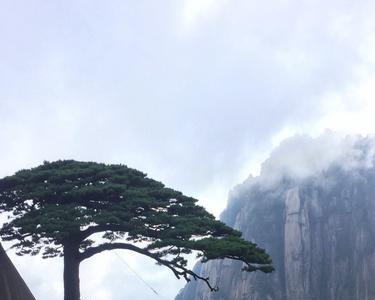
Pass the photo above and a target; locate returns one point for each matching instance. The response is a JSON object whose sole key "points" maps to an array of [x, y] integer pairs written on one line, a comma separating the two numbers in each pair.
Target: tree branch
{"points": [[178, 269], [101, 228]]}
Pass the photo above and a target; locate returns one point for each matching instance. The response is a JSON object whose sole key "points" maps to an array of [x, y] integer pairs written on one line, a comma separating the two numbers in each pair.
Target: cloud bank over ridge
{"points": [[302, 156]]}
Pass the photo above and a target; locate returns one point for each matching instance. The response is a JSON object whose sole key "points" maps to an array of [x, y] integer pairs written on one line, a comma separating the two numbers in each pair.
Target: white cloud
{"points": [[352, 109], [195, 93], [302, 156], [196, 11]]}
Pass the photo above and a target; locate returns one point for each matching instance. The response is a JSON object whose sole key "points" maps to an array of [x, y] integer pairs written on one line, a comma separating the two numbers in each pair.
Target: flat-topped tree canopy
{"points": [[58, 206]]}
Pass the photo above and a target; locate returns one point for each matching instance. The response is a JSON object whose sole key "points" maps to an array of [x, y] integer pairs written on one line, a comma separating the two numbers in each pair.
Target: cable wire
{"points": [[137, 275]]}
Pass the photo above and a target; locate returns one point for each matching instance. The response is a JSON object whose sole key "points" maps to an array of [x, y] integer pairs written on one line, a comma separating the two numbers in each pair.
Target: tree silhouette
{"points": [[58, 207]]}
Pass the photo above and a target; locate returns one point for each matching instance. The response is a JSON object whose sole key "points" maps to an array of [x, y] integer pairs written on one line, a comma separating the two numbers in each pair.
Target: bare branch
{"points": [[177, 269]]}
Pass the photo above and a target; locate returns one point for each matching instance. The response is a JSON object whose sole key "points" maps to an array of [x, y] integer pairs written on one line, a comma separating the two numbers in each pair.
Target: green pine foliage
{"points": [[68, 202]]}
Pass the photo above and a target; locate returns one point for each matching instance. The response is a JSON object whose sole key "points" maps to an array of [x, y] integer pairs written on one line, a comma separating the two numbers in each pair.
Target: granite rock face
{"points": [[12, 286], [320, 232]]}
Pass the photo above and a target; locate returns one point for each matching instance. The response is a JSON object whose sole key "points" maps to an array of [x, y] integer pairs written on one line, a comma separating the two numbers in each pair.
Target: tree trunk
{"points": [[71, 273]]}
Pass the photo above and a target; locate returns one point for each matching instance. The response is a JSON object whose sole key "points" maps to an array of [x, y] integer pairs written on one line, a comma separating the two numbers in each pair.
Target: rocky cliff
{"points": [[318, 228], [12, 286]]}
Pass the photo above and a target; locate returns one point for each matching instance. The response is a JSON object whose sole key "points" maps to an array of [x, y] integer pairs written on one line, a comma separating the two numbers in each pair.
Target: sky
{"points": [[196, 93]]}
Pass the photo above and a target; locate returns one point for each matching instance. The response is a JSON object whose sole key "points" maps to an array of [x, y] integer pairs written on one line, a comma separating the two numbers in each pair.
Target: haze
{"points": [[194, 92]]}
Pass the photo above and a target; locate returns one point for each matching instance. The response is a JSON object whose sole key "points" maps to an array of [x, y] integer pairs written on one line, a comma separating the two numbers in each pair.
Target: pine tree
{"points": [[57, 207]]}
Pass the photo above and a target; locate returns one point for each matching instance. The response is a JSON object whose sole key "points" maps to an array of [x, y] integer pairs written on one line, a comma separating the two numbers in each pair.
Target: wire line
{"points": [[137, 275]]}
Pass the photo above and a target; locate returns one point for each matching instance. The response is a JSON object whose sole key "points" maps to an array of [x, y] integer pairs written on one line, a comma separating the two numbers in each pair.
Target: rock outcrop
{"points": [[319, 230], [12, 286]]}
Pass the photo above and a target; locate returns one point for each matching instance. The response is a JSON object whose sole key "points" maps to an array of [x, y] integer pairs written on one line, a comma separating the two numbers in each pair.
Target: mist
{"points": [[195, 93], [302, 156]]}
